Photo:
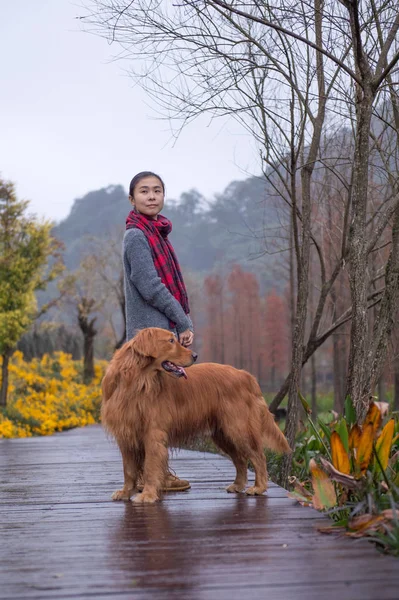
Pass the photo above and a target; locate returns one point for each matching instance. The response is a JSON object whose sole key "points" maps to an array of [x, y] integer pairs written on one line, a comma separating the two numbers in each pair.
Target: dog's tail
{"points": [[273, 437]]}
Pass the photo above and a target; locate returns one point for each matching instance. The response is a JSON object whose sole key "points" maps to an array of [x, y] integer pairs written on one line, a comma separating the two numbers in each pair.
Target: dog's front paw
{"points": [[235, 488], [121, 495], [255, 491], [145, 498]]}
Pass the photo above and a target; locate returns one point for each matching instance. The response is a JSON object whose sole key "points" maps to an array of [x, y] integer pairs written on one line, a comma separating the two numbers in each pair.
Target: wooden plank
{"points": [[62, 536]]}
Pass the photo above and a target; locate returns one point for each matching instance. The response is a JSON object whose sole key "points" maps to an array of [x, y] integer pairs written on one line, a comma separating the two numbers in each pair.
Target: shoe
{"points": [[172, 484]]}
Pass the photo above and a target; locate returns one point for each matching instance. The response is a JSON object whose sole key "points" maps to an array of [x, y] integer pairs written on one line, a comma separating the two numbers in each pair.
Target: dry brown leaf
{"points": [[384, 444], [324, 492], [364, 522], [373, 417], [339, 455], [354, 436], [346, 480], [365, 447]]}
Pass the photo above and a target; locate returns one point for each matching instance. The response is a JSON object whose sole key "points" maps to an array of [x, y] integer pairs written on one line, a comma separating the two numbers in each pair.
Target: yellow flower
{"points": [[47, 395]]}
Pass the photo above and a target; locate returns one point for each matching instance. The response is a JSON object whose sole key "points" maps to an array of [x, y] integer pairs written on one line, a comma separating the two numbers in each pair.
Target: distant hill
{"points": [[207, 234], [100, 213]]}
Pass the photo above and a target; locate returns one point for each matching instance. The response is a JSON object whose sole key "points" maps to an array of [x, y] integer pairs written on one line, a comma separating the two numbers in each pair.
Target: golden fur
{"points": [[147, 409]]}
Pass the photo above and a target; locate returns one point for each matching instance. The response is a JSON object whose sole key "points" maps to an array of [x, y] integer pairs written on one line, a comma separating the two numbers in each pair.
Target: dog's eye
{"points": [[172, 340]]}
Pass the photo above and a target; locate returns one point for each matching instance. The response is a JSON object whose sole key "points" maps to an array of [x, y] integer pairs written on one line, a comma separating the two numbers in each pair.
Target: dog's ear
{"points": [[144, 343]]}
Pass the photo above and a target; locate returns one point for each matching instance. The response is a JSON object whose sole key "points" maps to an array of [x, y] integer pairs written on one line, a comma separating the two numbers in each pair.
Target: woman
{"points": [[154, 288]]}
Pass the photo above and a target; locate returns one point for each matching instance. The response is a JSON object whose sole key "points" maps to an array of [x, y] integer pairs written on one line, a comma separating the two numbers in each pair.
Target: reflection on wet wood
{"points": [[63, 537]]}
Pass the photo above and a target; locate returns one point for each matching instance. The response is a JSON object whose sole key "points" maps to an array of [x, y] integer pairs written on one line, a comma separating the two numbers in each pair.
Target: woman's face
{"points": [[148, 197]]}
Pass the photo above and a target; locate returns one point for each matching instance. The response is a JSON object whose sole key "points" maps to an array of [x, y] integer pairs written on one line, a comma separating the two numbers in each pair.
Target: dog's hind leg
{"points": [[258, 459], [155, 466], [239, 461], [130, 473]]}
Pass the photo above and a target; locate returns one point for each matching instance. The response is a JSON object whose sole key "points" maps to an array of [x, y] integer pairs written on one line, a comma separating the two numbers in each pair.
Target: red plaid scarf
{"points": [[165, 261]]}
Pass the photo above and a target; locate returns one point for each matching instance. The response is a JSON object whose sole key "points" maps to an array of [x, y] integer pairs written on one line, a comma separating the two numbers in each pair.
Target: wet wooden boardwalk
{"points": [[62, 536]]}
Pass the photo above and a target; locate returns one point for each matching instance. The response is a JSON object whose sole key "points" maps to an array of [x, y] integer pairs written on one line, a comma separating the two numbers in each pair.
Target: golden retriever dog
{"points": [[150, 403]]}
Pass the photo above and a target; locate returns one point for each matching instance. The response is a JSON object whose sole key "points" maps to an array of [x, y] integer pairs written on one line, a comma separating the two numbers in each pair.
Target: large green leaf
{"points": [[325, 429], [342, 430], [350, 413]]}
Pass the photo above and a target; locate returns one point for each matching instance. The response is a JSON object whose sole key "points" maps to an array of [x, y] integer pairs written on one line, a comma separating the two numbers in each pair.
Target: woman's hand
{"points": [[186, 338]]}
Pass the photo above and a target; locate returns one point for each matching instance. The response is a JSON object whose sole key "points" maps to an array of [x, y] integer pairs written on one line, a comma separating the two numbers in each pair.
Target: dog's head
{"points": [[165, 351]]}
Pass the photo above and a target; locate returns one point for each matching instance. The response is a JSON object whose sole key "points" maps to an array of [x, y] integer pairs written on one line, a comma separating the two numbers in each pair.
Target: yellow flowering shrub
{"points": [[47, 395]]}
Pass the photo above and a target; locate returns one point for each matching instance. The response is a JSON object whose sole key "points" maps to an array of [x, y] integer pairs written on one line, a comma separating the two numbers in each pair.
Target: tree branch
{"points": [[289, 33]]}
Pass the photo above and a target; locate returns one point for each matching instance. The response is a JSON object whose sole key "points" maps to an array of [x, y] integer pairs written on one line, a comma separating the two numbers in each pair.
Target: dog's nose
{"points": [[194, 355]]}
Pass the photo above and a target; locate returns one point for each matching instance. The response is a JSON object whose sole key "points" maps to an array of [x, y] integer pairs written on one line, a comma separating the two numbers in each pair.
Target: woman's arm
{"points": [[147, 281]]}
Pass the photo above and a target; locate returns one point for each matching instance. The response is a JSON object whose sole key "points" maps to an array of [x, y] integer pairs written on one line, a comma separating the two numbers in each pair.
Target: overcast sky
{"points": [[72, 121]]}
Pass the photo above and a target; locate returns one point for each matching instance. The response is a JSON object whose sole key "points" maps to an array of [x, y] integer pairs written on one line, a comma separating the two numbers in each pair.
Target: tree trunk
{"points": [[4, 377], [313, 384], [297, 354], [337, 374], [303, 252], [396, 384], [343, 367], [88, 357], [382, 389], [385, 320], [292, 283], [358, 271], [89, 332], [303, 383], [122, 339], [313, 374]]}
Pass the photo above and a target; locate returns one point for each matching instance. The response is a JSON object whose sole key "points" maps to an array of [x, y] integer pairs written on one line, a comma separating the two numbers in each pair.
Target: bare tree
{"points": [[86, 306], [86, 294], [105, 256]]}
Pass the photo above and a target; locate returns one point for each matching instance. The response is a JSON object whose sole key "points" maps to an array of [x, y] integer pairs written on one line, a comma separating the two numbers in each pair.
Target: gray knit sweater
{"points": [[148, 301]]}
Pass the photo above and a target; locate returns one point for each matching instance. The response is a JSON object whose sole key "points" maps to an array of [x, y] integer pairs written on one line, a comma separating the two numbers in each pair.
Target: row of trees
{"points": [[244, 328], [241, 326]]}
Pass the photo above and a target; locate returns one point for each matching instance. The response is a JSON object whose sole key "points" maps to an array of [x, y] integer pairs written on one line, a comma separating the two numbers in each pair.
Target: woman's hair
{"points": [[137, 178]]}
